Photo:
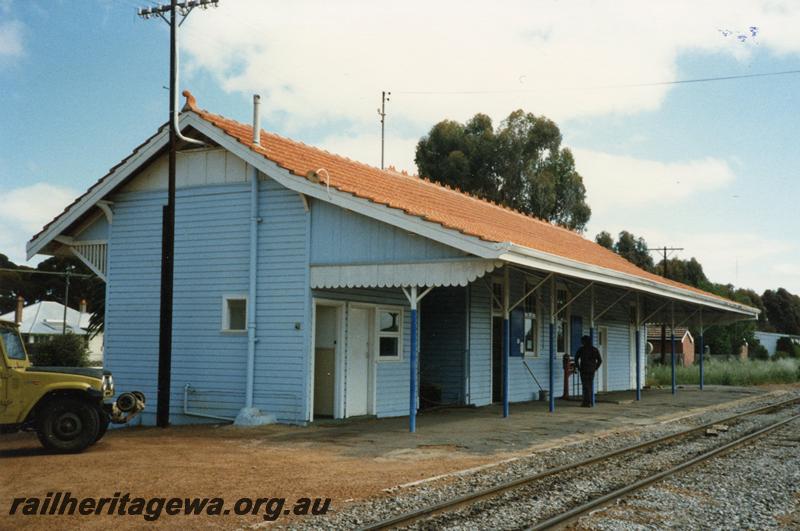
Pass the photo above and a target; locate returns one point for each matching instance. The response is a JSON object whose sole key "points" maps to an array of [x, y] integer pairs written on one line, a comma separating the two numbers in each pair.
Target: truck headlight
{"points": [[107, 385]]}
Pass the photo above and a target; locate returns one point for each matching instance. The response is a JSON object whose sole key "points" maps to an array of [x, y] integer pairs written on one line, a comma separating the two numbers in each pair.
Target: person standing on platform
{"points": [[587, 361]]}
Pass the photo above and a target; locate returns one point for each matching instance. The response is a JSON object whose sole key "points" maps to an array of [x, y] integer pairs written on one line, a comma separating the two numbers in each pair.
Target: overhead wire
{"points": [[596, 87]]}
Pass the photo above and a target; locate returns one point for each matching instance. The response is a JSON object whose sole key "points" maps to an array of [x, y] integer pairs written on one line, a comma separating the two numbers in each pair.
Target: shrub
{"points": [[730, 372], [68, 350], [787, 346], [758, 351]]}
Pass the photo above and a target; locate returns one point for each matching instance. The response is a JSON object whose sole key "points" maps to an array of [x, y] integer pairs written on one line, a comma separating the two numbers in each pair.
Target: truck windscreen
{"points": [[13, 345]]}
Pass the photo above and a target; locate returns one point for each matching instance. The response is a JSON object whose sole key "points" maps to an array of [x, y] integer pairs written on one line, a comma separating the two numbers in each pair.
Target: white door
{"points": [[357, 381], [602, 346]]}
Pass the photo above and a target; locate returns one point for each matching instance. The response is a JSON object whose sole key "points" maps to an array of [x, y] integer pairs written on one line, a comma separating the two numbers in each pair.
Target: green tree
{"points": [[634, 250], [686, 271], [782, 310], [68, 350], [521, 164], [605, 239]]}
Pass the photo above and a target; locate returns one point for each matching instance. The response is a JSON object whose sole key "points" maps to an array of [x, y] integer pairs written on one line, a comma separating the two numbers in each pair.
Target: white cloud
{"points": [[11, 45], [24, 212], [325, 63], [318, 60], [614, 182], [745, 259]]}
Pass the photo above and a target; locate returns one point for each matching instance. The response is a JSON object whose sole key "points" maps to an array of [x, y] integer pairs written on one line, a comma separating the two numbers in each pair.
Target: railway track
{"points": [[514, 493]]}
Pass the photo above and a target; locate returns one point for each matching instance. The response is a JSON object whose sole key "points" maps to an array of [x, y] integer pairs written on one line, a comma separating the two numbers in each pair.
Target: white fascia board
{"points": [[544, 261], [98, 192], [392, 216]]}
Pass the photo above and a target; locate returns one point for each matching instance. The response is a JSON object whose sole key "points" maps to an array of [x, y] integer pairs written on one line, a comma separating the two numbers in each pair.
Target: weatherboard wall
{"points": [[211, 261], [340, 236]]}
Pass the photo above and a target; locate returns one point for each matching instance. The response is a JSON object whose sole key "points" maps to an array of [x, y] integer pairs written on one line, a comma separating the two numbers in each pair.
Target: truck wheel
{"points": [[68, 425], [105, 420]]}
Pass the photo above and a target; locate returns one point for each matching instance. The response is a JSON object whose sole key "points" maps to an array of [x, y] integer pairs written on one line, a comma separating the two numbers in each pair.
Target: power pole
{"points": [[382, 113], [174, 9], [665, 274], [67, 273]]}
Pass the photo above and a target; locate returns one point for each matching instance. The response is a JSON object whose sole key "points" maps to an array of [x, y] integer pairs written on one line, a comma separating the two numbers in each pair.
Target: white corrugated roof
{"points": [[47, 317]]}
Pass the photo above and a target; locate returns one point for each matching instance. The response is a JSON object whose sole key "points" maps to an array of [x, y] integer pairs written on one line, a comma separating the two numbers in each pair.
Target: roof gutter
{"points": [[525, 256]]}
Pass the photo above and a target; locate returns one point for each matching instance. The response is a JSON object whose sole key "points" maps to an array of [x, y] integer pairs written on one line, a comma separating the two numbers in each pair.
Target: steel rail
{"points": [[576, 512], [491, 492]]}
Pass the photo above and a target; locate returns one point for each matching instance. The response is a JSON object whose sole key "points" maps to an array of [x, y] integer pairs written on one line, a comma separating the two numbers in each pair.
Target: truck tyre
{"points": [[68, 425], [105, 420]]}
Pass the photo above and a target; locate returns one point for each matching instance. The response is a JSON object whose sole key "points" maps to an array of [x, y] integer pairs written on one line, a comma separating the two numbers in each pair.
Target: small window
{"points": [[389, 333], [234, 314]]}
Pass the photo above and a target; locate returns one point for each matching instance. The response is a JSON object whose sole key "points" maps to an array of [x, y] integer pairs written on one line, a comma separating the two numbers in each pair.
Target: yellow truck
{"points": [[69, 408]]}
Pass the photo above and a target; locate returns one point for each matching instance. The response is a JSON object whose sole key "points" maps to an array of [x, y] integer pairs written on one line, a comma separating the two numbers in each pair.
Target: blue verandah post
{"points": [[506, 341], [638, 347], [702, 355], [552, 366], [672, 351], [702, 351], [591, 338], [412, 399], [412, 405], [506, 359], [638, 363]]}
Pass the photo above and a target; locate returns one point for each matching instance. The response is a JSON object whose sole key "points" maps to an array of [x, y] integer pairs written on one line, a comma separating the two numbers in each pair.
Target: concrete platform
{"points": [[484, 431]]}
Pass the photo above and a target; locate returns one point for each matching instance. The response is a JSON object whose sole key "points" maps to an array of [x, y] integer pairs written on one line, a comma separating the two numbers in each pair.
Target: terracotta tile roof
{"points": [[418, 197], [430, 201]]}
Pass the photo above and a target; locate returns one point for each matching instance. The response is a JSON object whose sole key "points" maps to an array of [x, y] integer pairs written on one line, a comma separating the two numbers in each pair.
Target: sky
{"points": [[711, 167]]}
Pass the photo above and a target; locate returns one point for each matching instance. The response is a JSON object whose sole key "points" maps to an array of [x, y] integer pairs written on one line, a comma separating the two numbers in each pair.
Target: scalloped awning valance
{"points": [[430, 274]]}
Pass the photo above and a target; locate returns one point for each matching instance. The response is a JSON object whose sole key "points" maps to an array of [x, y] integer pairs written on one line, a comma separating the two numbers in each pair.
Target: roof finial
{"points": [[191, 102]]}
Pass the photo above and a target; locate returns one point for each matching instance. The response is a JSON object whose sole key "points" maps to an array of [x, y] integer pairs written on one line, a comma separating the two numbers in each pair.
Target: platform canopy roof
{"points": [[481, 228]]}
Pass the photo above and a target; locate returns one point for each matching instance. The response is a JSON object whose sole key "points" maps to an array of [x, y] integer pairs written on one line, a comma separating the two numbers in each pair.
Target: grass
{"points": [[731, 372]]}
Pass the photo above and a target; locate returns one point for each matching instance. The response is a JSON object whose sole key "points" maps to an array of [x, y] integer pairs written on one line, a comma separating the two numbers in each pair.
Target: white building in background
{"points": [[42, 320], [770, 340]]}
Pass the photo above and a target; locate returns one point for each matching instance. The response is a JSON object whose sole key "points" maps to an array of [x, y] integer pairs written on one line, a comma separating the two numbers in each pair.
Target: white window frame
{"points": [[379, 334], [537, 308], [226, 317]]}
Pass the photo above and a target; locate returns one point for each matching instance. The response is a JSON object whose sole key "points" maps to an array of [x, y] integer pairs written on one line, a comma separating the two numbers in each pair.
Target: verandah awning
{"points": [[458, 272]]}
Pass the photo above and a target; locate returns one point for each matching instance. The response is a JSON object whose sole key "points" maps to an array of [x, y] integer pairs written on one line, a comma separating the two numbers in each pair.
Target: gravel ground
{"points": [[753, 487], [551, 494]]}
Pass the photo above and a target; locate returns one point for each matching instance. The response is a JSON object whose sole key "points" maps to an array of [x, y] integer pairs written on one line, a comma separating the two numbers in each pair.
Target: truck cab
{"points": [[69, 408]]}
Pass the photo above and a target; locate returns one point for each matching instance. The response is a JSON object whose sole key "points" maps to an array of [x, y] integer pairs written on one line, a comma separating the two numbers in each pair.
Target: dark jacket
{"points": [[588, 360]]}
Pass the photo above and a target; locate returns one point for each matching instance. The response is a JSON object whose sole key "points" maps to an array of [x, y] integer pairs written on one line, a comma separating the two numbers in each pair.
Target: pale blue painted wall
{"points": [[131, 323], [282, 352], [97, 230], [211, 260], [480, 344], [341, 236]]}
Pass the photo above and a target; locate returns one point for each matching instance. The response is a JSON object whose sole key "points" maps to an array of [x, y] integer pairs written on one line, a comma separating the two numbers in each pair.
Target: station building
{"points": [[309, 285]]}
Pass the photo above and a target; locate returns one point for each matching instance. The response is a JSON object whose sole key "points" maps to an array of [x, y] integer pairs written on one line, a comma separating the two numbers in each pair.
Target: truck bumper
{"points": [[126, 407]]}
